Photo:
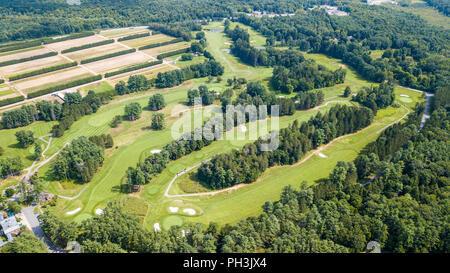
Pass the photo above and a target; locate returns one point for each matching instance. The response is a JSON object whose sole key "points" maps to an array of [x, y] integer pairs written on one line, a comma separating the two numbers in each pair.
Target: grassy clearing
{"points": [[256, 39], [352, 79], [98, 87]]}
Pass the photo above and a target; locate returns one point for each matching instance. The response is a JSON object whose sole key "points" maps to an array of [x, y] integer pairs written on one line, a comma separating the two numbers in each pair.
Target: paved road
{"points": [[34, 225]]}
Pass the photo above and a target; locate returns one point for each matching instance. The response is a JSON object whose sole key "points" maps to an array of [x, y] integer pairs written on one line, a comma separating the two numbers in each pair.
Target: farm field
{"points": [[58, 77], [149, 73], [167, 48], [6, 91], [75, 42], [117, 33], [20, 68], [94, 51], [24, 54], [21, 50], [114, 63], [152, 39]]}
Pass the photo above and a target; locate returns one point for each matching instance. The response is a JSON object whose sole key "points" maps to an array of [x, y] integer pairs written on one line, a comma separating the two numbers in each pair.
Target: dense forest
{"points": [[78, 161], [74, 107], [419, 51], [403, 208]]}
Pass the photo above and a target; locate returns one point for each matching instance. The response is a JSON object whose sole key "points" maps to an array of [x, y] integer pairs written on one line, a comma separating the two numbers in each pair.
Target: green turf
{"points": [[135, 141]]}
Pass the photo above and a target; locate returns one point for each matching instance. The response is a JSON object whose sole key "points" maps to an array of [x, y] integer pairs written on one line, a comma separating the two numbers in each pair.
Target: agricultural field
{"points": [[21, 50], [58, 77], [75, 42], [164, 49], [152, 39], [122, 61], [121, 32], [94, 52], [20, 68], [23, 54], [6, 91]]}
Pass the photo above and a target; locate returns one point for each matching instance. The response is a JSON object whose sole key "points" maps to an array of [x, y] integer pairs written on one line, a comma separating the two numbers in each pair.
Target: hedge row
{"points": [[156, 32], [177, 40], [69, 37], [20, 46], [134, 36], [11, 100], [16, 61], [42, 71], [77, 48], [2, 81], [64, 86], [132, 68], [172, 53], [123, 52]]}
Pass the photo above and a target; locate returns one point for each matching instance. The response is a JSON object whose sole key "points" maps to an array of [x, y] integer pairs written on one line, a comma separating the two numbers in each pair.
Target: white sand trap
{"points": [[73, 211], [173, 209], [156, 151], [156, 227], [281, 96], [189, 211], [98, 211], [403, 95], [322, 155], [243, 128], [227, 43]]}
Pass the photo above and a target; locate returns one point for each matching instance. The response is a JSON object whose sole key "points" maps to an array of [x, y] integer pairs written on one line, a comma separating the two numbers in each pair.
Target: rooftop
{"points": [[9, 224]]}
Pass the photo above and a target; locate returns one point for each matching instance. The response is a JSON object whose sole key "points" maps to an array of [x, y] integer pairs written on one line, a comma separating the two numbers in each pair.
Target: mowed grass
{"points": [[131, 140], [352, 79], [248, 200], [9, 142], [98, 87]]}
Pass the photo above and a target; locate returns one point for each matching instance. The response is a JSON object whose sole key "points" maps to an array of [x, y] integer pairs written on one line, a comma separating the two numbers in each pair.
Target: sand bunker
{"points": [[173, 209], [403, 95], [156, 227], [322, 155], [243, 128], [189, 211], [73, 211], [156, 151], [98, 211]]}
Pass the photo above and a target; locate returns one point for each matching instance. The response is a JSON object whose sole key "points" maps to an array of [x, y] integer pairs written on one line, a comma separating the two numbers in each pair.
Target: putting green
{"points": [[171, 220], [405, 99]]}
